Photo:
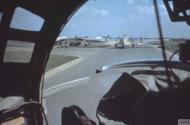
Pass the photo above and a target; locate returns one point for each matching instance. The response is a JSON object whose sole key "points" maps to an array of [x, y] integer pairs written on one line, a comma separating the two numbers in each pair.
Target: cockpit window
{"points": [[18, 51], [25, 20], [104, 33]]}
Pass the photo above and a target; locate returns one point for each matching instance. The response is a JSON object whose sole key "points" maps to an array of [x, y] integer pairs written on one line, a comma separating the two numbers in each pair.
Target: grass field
{"points": [[57, 60]]}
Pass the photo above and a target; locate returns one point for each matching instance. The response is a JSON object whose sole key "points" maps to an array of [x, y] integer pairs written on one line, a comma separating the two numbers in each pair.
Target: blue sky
{"points": [[110, 17], [116, 17]]}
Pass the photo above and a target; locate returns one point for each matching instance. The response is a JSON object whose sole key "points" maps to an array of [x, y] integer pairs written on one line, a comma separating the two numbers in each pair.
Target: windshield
{"points": [[102, 33]]}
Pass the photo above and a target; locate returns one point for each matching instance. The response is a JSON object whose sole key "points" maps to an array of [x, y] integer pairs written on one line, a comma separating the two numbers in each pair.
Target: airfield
{"points": [[59, 90]]}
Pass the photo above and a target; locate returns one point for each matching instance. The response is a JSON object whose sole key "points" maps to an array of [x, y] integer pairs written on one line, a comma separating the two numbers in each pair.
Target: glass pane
{"points": [[17, 51], [118, 33], [25, 20]]}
